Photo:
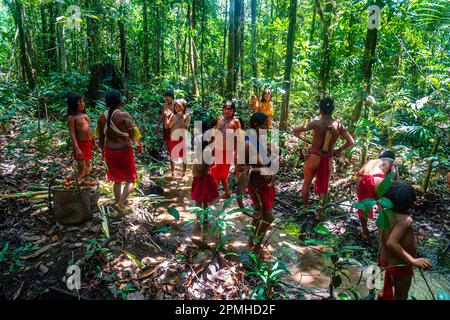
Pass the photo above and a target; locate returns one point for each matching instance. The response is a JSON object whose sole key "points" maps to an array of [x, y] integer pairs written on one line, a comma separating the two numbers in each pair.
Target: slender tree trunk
{"points": [[61, 42], [52, 52], [254, 57], [366, 72], [157, 39], [240, 54], [27, 71], [92, 35], [192, 51], [224, 47], [313, 24], [325, 15], [44, 35], [123, 49], [146, 55], [288, 63], [426, 181], [234, 41]]}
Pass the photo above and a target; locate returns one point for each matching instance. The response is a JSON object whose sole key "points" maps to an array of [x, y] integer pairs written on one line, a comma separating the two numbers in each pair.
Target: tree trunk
{"points": [[157, 40], [146, 55], [240, 54], [325, 15], [52, 52], [192, 51], [254, 57], [61, 42], [123, 49], [92, 35], [44, 35], [27, 71], [426, 181], [366, 72], [313, 24], [224, 47], [234, 42], [288, 63]]}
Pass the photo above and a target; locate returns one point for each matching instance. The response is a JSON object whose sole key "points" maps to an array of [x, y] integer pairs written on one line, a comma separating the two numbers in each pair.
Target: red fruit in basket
{"points": [[68, 178]]}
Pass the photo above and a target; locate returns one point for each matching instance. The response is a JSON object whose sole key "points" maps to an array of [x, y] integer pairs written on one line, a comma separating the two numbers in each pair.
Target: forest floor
{"points": [[150, 254]]}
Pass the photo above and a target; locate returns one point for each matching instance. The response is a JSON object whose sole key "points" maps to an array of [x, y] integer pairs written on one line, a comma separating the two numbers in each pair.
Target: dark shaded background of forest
{"points": [[391, 85]]}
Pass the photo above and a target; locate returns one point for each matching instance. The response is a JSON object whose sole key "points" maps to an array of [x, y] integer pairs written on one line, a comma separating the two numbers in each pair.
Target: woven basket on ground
{"points": [[73, 207]]}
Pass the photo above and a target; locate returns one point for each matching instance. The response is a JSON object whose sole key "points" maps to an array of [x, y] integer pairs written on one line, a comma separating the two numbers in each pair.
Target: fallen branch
{"points": [[40, 251]]}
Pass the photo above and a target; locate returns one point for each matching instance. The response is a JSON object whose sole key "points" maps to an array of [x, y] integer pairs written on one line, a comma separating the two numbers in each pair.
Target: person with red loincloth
{"points": [[204, 187], [167, 110], [259, 180], [178, 123], [370, 176], [319, 159], [399, 244], [81, 134], [117, 135], [224, 146]]}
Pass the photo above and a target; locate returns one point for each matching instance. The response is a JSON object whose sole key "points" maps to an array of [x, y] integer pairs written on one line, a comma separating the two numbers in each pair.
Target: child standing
{"points": [[178, 120], [204, 187], [81, 134], [167, 110], [399, 244], [223, 149]]}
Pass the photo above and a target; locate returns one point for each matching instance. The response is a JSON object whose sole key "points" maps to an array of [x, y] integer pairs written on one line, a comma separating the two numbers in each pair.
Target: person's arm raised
{"points": [[296, 131]]}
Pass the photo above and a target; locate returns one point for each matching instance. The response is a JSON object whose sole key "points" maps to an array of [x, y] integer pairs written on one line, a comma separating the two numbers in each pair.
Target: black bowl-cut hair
{"points": [[170, 94], [387, 154], [72, 103], [258, 119], [402, 196], [326, 105]]}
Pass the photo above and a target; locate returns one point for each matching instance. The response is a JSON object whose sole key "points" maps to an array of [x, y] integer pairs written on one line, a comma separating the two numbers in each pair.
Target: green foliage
{"points": [[12, 257], [269, 276], [339, 256]]}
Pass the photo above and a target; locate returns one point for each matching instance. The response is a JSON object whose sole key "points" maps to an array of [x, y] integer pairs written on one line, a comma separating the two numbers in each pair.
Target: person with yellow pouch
{"points": [[266, 106]]}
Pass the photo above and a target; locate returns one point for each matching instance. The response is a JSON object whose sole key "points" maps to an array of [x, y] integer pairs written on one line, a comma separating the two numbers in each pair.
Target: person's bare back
{"points": [[123, 122], [403, 224], [320, 128]]}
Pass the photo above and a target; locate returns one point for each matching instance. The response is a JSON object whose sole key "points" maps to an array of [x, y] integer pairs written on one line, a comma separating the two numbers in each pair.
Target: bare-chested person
{"points": [[259, 184], [167, 110], [319, 159], [399, 244], [116, 133], [370, 176], [81, 134], [223, 150]]}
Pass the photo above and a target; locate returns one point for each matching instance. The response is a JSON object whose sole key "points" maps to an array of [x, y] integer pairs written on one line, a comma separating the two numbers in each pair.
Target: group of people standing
{"points": [[117, 134]]}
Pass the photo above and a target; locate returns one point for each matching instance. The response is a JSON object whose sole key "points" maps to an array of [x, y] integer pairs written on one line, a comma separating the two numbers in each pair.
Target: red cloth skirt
{"points": [[266, 193], [366, 189], [182, 149], [121, 165], [204, 189], [166, 135], [388, 288], [86, 148], [322, 173], [222, 165]]}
